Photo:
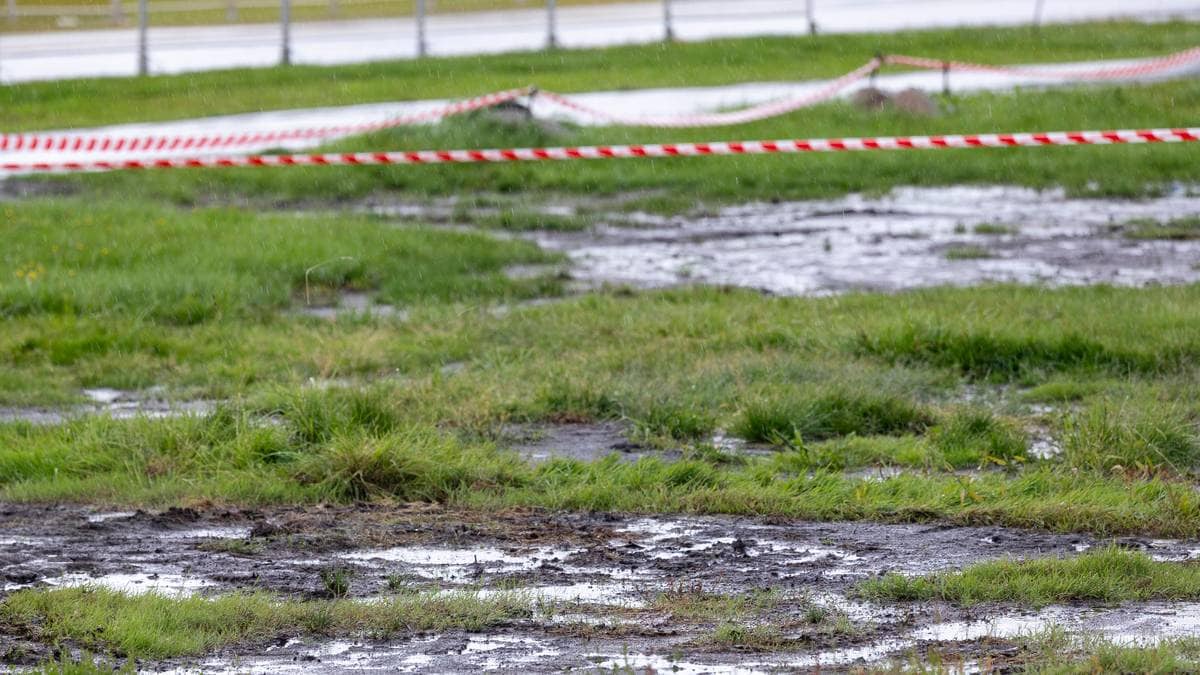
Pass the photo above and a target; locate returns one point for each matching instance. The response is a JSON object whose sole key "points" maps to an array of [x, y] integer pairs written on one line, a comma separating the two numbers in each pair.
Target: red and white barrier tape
{"points": [[1111, 73], [753, 114], [1125, 136], [151, 143]]}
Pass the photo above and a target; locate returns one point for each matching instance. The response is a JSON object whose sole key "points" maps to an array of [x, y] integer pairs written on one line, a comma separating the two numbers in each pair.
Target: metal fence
{"points": [[671, 14]]}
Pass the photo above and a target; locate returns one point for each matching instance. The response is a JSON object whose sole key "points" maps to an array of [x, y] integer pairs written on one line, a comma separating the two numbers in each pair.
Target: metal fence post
{"points": [[422, 48], [285, 27], [118, 13], [11, 5], [231, 13], [143, 48], [668, 29], [551, 24], [1038, 6], [811, 15]]}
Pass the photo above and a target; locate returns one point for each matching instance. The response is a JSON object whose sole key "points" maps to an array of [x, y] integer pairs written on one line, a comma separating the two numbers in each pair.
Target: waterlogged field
{"points": [[857, 413]]}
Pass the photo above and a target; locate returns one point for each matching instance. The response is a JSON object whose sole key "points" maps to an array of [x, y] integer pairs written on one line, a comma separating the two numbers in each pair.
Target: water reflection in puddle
{"points": [[905, 240], [175, 585]]}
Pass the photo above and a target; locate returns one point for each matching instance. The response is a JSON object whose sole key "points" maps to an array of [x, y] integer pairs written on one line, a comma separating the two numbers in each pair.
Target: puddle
{"points": [[113, 515], [175, 585], [594, 577], [907, 239], [350, 304], [207, 533], [461, 564], [585, 442], [115, 403]]}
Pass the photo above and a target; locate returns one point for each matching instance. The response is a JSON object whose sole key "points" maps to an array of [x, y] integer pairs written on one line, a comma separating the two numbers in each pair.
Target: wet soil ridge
{"points": [[611, 590]]}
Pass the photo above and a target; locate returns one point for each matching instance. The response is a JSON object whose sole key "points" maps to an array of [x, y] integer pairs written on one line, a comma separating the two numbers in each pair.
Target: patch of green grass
{"points": [[998, 353], [975, 437], [64, 104], [336, 581], [185, 461], [1179, 229], [1058, 652], [829, 414], [747, 638], [156, 627], [854, 452], [1107, 575], [1060, 391], [967, 253], [1133, 437], [994, 229], [180, 268], [240, 547], [694, 604]]}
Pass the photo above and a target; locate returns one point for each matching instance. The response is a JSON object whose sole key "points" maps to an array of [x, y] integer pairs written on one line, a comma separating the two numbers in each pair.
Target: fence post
{"points": [[231, 13], [118, 13], [285, 26], [551, 24], [811, 15], [1038, 6], [11, 6], [668, 28], [334, 9], [143, 48], [422, 48]]}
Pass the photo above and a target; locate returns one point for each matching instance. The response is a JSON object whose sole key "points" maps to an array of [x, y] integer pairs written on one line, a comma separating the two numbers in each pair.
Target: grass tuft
{"points": [[828, 414], [1108, 575], [157, 627]]}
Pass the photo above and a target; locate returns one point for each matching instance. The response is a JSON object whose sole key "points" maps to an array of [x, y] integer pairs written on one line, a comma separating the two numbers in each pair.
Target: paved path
{"points": [[48, 56]]}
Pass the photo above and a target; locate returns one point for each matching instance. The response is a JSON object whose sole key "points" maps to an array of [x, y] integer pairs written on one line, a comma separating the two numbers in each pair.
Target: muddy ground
{"points": [[910, 238], [610, 583], [607, 581]]}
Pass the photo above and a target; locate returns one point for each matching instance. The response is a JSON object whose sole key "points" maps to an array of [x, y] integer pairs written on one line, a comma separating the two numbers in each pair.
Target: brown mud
{"points": [[611, 586]]}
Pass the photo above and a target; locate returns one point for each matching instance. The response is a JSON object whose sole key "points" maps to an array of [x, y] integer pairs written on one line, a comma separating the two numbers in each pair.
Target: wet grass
{"points": [[175, 267], [747, 638], [156, 627], [1180, 229], [967, 253], [994, 229], [1107, 575], [225, 458], [98, 101], [696, 605], [1058, 652], [821, 415], [1133, 437]]}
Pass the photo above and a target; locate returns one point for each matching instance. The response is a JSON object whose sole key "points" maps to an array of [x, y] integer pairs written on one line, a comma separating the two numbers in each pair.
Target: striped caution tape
{"points": [[722, 148]]}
